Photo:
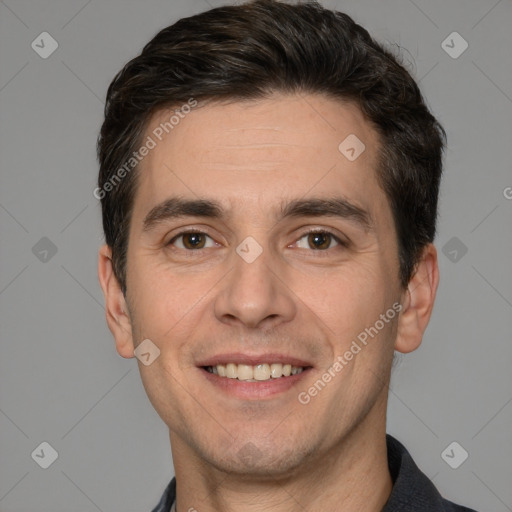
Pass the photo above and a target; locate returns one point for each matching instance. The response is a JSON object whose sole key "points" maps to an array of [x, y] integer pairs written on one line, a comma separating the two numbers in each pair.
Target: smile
{"points": [[254, 373]]}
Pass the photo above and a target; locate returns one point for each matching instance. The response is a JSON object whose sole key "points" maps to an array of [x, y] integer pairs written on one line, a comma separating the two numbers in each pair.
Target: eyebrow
{"points": [[176, 207]]}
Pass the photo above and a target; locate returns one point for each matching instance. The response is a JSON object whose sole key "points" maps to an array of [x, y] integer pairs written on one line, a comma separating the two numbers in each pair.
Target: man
{"points": [[269, 180]]}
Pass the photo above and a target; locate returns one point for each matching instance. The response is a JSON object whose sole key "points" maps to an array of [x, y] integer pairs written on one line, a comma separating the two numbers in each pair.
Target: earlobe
{"points": [[116, 309], [418, 302]]}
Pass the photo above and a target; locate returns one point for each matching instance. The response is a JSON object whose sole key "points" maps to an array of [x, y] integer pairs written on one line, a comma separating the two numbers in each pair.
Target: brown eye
{"points": [[190, 240], [320, 240]]}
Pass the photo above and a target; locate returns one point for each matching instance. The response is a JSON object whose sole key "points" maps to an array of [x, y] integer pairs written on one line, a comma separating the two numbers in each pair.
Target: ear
{"points": [[418, 302], [118, 318]]}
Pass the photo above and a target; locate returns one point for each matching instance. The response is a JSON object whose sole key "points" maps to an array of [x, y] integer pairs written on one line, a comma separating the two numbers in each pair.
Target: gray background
{"points": [[61, 380]]}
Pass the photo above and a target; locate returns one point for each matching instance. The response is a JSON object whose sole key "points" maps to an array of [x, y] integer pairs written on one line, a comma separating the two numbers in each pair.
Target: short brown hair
{"points": [[251, 50]]}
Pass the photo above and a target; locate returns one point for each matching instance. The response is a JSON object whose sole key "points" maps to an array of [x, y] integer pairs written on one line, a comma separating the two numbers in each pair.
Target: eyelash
{"points": [[341, 242]]}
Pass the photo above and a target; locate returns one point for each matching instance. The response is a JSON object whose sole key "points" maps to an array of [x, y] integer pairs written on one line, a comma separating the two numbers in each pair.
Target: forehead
{"points": [[256, 152], [274, 129]]}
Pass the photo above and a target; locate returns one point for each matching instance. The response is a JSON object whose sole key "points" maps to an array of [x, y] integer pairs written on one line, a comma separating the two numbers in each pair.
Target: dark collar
{"points": [[412, 490]]}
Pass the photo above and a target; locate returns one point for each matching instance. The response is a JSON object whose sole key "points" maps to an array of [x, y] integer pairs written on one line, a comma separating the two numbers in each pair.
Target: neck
{"points": [[352, 476]]}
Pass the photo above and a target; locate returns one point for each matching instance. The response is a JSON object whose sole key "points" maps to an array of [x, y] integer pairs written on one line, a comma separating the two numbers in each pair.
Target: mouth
{"points": [[254, 373], [253, 377]]}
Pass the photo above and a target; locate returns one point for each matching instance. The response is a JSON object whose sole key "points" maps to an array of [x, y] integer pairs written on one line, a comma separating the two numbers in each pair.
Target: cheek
{"points": [[348, 299], [163, 299]]}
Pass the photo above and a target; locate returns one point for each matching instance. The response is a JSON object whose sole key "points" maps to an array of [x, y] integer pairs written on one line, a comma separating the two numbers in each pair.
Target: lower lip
{"points": [[255, 390]]}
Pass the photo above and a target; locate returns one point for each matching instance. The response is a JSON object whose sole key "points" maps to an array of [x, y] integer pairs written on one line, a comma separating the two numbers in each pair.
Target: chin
{"points": [[261, 459]]}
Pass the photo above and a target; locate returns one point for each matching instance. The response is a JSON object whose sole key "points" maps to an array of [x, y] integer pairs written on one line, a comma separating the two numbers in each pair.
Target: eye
{"points": [[320, 240], [191, 240]]}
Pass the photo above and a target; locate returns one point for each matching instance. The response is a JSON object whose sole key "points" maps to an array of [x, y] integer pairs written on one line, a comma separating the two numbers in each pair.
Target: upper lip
{"points": [[253, 360]]}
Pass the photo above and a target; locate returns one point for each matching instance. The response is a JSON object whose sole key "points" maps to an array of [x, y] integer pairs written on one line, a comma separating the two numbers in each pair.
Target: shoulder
{"points": [[412, 489]]}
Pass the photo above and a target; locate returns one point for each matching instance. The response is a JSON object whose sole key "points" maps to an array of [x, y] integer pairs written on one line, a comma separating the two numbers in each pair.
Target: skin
{"points": [[294, 299]]}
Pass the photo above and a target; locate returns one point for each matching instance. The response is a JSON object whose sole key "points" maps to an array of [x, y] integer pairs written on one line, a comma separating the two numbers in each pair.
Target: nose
{"points": [[255, 294]]}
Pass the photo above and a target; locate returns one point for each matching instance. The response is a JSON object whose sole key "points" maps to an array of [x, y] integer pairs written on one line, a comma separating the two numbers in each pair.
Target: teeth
{"points": [[231, 370], [262, 372], [276, 370], [245, 372], [255, 373]]}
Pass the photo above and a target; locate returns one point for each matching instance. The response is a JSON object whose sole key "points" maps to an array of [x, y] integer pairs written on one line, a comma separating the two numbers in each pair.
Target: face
{"points": [[263, 278]]}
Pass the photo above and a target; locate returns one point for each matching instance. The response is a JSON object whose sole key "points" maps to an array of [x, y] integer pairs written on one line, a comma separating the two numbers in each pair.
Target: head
{"points": [[267, 120]]}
